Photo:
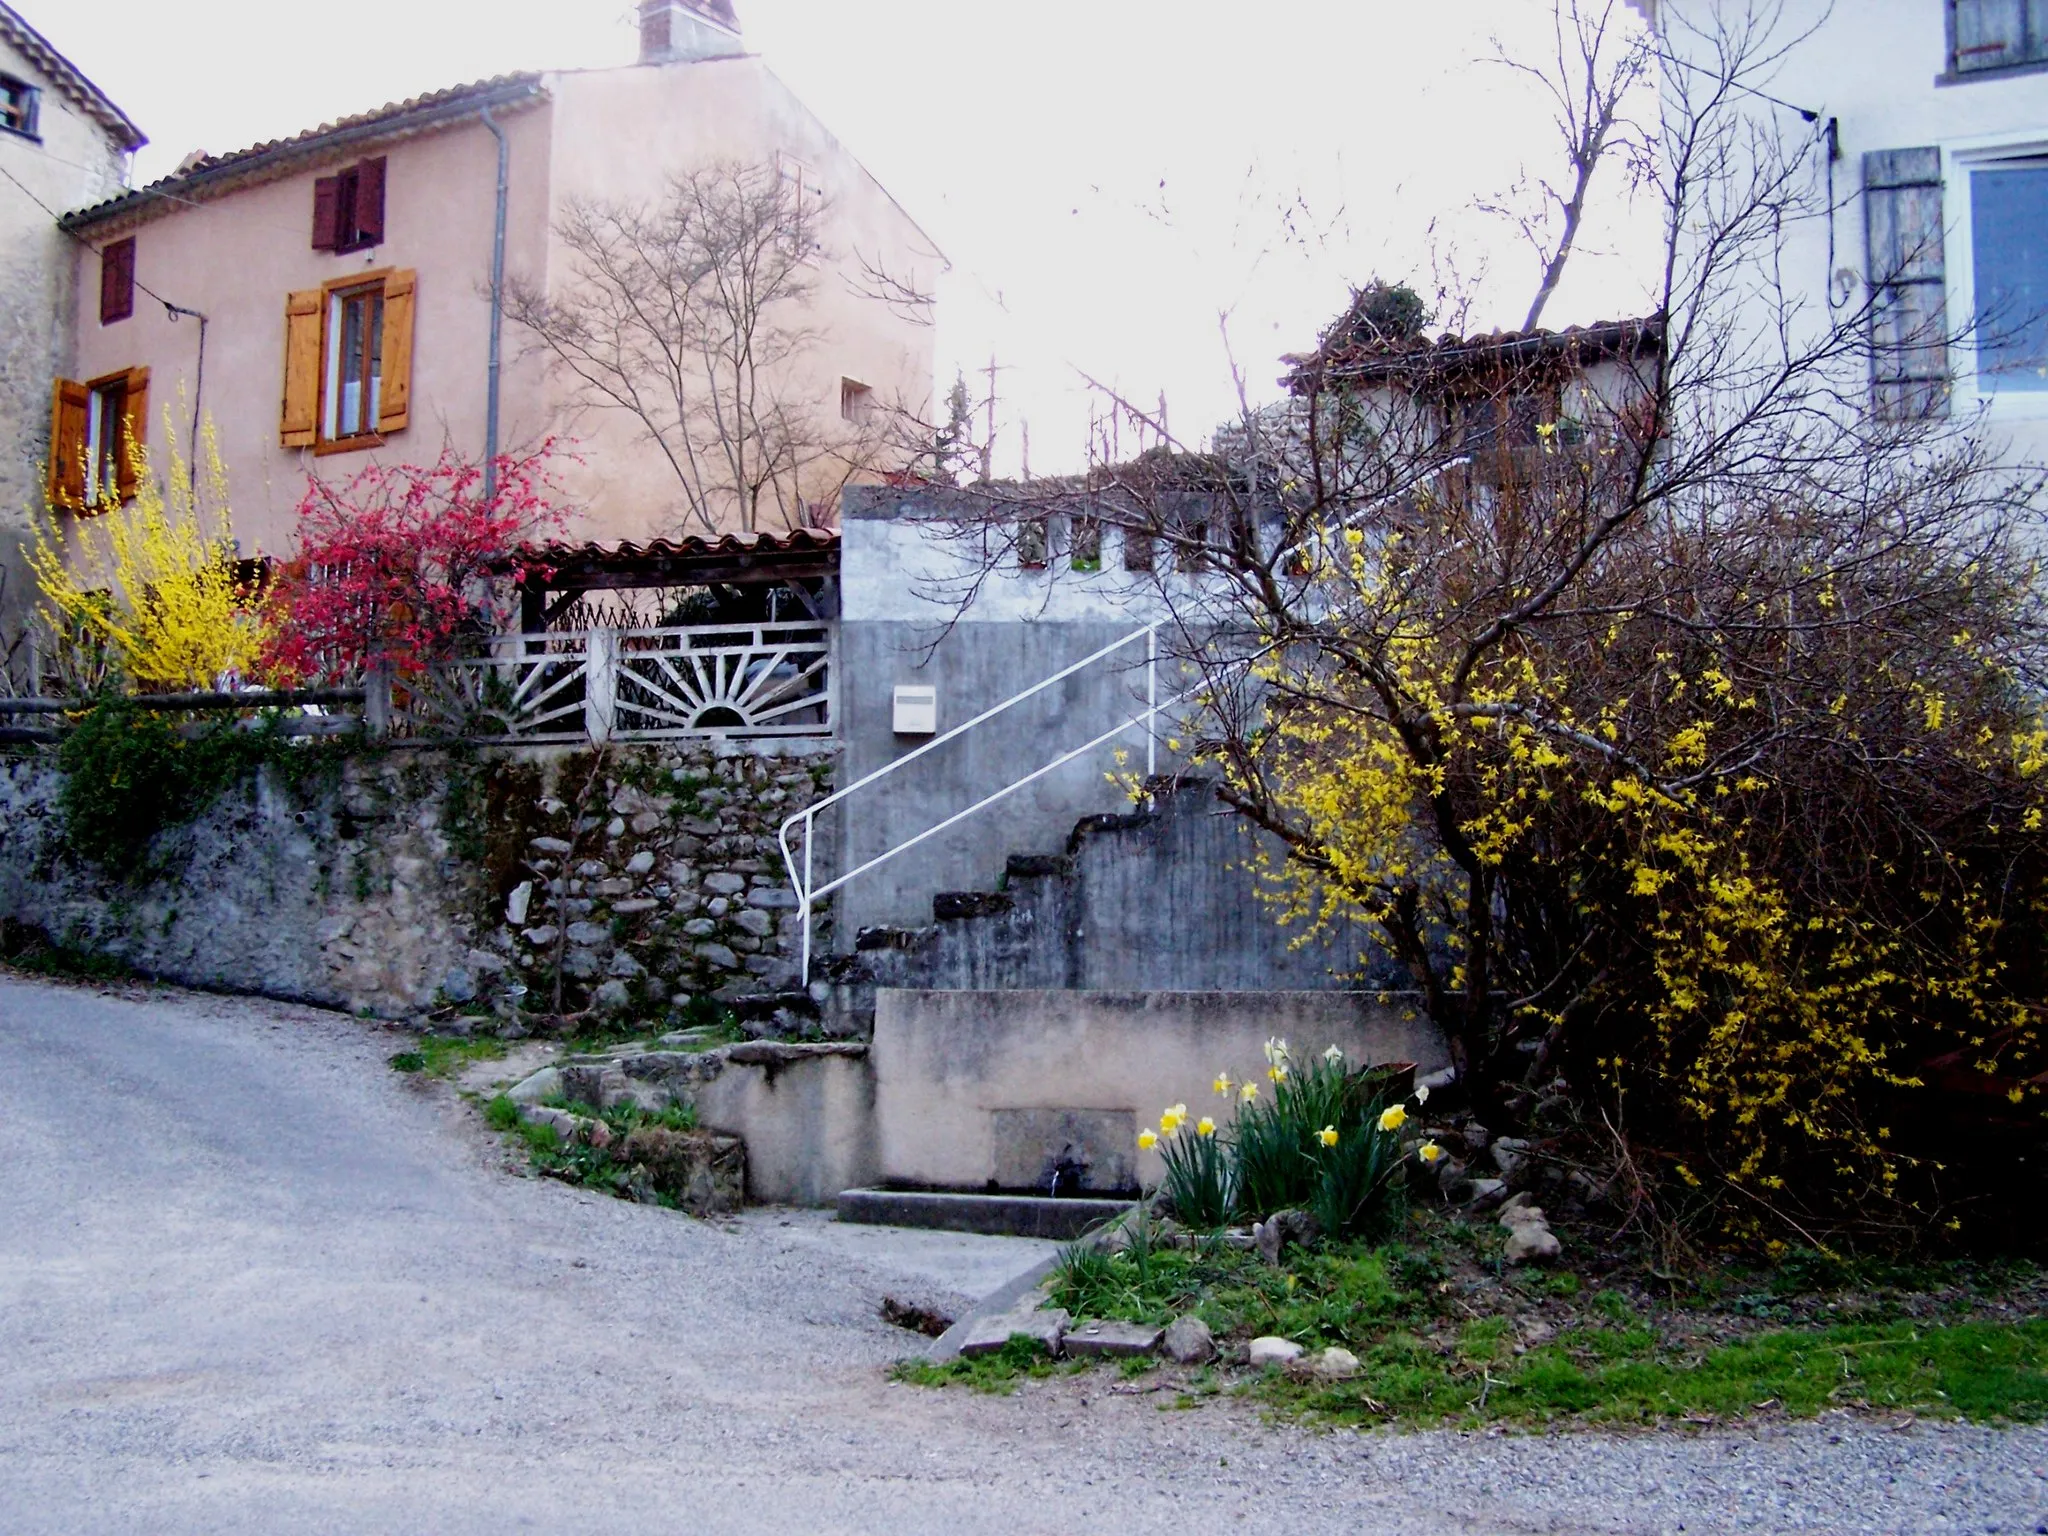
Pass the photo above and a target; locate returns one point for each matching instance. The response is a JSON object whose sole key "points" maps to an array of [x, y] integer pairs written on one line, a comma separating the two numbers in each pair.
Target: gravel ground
{"points": [[253, 1281]]}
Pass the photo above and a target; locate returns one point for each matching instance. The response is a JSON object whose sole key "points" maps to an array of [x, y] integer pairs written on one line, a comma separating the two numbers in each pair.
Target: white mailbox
{"points": [[917, 710]]}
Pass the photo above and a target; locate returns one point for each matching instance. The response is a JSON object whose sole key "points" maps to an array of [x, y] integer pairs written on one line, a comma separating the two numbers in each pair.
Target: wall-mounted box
{"points": [[917, 710]]}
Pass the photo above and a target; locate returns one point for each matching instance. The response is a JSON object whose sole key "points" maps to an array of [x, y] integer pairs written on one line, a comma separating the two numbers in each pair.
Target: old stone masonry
{"points": [[393, 880]]}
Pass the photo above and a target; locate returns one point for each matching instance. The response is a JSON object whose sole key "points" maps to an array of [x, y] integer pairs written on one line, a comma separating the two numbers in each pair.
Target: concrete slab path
{"points": [[251, 1280]]}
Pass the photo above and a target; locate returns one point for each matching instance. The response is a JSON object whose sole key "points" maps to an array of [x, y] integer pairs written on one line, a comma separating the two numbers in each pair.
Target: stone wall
{"points": [[393, 880]]}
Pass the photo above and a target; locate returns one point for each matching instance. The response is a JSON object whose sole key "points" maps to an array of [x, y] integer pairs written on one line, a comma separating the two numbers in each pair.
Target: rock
{"points": [[1189, 1342], [517, 903], [1484, 1194], [458, 986], [633, 907], [1521, 1207], [589, 933], [565, 1124], [640, 863], [718, 955], [554, 845], [703, 1172], [484, 963], [725, 884], [718, 906], [624, 964], [544, 1084], [333, 929], [1281, 1228], [1437, 1082], [1532, 1242], [1045, 1326], [616, 827], [1509, 1154], [1535, 1331], [645, 822], [700, 927], [583, 963], [543, 936], [620, 886], [1105, 1338], [773, 900], [1335, 1364], [758, 923], [590, 869], [612, 997], [1270, 1350]]}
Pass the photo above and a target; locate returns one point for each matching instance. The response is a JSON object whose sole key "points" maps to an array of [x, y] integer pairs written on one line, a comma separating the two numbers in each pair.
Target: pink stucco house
{"points": [[345, 280]]}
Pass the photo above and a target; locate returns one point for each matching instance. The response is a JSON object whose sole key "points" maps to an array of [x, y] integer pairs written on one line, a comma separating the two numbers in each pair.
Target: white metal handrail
{"points": [[807, 894]]}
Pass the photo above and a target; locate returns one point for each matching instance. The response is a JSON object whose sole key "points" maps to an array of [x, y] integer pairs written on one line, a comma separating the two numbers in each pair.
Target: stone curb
{"points": [[1004, 1298]]}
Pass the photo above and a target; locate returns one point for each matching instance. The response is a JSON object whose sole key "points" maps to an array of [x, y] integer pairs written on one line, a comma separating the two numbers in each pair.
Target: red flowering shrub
{"points": [[395, 561]]}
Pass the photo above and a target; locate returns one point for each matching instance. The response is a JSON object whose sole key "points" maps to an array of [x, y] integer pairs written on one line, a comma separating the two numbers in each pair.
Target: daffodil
{"points": [[1276, 1049], [1205, 1126], [1248, 1092], [1333, 1056], [1393, 1117], [1224, 1084], [1171, 1120], [1276, 1072], [1327, 1135], [1422, 1094], [1430, 1152], [1147, 1139]]}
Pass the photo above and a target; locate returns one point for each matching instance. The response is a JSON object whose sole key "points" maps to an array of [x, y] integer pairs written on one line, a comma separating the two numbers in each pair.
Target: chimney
{"points": [[681, 31]]}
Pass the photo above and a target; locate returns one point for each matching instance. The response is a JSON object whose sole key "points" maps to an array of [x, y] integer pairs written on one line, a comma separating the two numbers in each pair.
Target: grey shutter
{"points": [[1988, 33], [1903, 228]]}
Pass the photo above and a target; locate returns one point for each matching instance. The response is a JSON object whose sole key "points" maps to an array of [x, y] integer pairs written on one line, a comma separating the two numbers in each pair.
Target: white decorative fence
{"points": [[749, 680]]}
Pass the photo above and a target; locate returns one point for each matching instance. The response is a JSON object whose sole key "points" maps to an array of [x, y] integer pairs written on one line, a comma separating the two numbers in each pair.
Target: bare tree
{"points": [[695, 316], [1662, 693]]}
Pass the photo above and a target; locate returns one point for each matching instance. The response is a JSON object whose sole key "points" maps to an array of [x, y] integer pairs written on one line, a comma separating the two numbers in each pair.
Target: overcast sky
{"points": [[1110, 178]]}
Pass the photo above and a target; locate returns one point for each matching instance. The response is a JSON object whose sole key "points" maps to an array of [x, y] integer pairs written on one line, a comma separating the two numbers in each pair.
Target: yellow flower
{"points": [[1205, 1126], [1171, 1120], [1276, 1072], [1327, 1135], [1147, 1139], [1430, 1152], [1393, 1118], [1223, 1083], [1248, 1092]]}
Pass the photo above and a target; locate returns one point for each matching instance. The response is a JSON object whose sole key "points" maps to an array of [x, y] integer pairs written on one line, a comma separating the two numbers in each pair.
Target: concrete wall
{"points": [[952, 1069], [72, 163], [604, 135], [807, 1115]]}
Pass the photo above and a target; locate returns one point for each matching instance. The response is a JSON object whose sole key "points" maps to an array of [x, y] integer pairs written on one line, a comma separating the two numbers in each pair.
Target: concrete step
{"points": [[990, 1214]]}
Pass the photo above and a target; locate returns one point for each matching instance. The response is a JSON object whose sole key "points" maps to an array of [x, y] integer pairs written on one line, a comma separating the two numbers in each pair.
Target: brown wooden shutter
{"points": [[326, 213], [70, 404], [117, 281], [301, 419], [369, 219], [394, 410], [134, 432], [1903, 230]]}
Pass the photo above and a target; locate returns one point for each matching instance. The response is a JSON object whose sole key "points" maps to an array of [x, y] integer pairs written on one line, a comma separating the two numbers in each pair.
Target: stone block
{"points": [[1044, 1326], [589, 933], [724, 883], [754, 921], [1105, 1337], [517, 903], [543, 936], [773, 899], [718, 955], [703, 1172], [554, 845], [633, 906], [641, 863]]}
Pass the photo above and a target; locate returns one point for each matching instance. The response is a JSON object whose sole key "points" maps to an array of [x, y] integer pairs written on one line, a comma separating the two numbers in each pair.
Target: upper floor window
{"points": [[117, 281], [2009, 276], [348, 208], [1996, 34], [348, 362], [18, 106]]}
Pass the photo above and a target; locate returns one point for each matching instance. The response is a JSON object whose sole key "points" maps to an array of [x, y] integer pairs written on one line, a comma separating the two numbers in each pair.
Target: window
{"points": [[856, 401], [2009, 260], [95, 430], [348, 362], [352, 371], [1996, 35], [1031, 543], [348, 208], [18, 106], [805, 199], [1084, 539], [117, 281]]}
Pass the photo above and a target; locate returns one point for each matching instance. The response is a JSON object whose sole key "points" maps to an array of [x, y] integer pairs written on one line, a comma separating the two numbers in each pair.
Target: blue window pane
{"points": [[2009, 227]]}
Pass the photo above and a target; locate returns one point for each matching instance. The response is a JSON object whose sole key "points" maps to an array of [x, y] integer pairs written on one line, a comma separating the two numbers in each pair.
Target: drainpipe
{"points": [[497, 309], [173, 312]]}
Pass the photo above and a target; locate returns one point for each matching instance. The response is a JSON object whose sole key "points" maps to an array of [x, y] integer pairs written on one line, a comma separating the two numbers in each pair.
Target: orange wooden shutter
{"points": [[394, 410], [70, 403], [134, 432], [301, 419]]}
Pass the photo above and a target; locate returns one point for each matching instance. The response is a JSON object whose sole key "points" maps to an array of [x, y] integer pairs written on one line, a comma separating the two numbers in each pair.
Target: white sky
{"points": [[1108, 177]]}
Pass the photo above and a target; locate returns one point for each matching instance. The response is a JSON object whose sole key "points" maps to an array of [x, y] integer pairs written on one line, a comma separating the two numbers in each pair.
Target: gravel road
{"points": [[251, 1280]]}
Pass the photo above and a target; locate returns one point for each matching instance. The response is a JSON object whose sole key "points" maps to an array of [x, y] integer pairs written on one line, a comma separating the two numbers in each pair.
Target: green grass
{"points": [[577, 1162], [446, 1055], [1983, 1371], [997, 1374]]}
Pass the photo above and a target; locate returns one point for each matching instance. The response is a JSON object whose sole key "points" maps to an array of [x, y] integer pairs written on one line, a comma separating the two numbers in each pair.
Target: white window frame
{"points": [[97, 495], [1958, 160], [330, 370]]}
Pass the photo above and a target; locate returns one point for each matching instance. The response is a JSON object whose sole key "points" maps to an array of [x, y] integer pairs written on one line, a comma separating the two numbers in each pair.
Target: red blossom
{"points": [[397, 560]]}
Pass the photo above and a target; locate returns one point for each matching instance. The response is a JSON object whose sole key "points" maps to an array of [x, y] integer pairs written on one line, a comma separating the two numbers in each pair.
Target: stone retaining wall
{"points": [[397, 879]]}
